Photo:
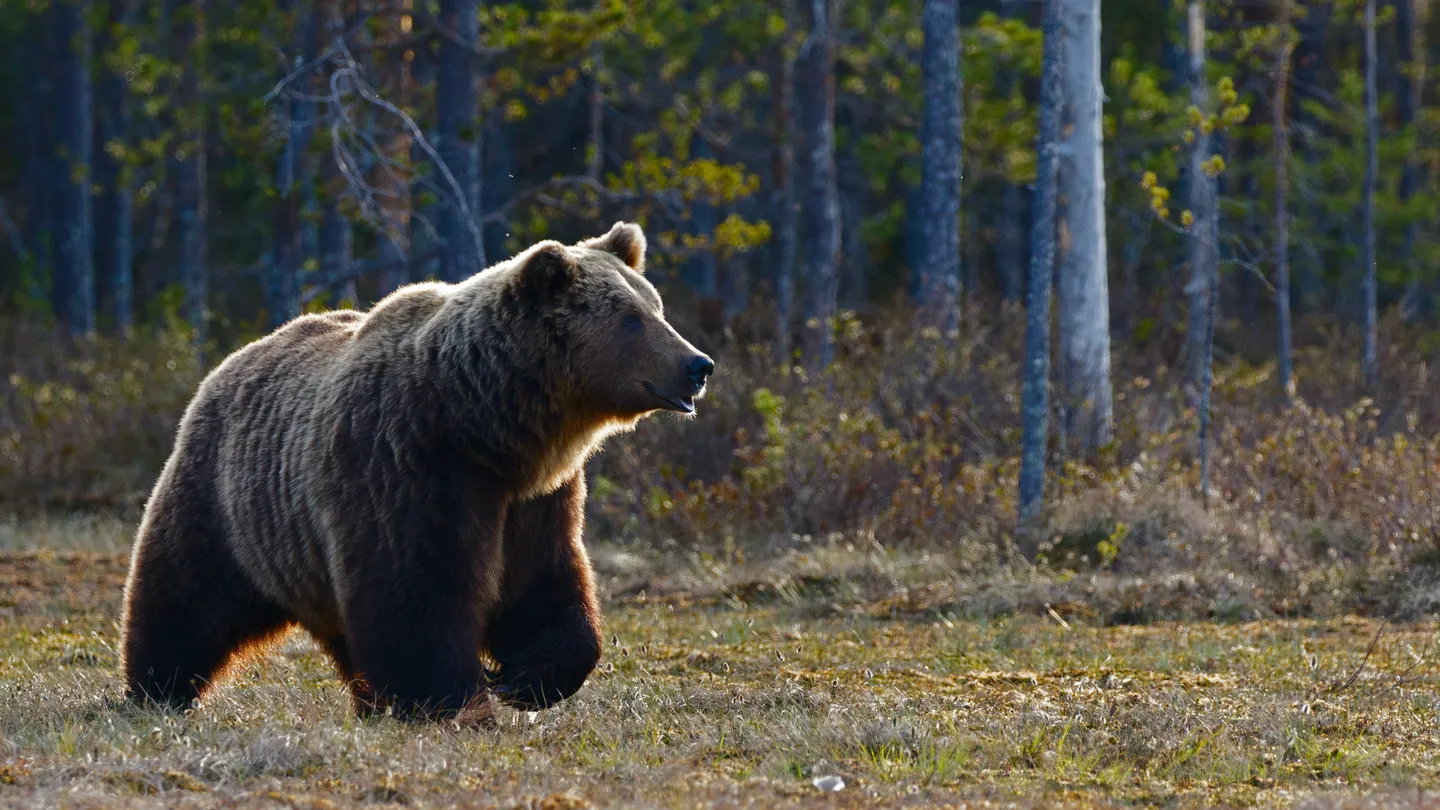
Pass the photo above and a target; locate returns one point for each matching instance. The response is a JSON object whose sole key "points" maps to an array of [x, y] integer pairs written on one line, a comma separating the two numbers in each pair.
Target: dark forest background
{"points": [[1007, 275]]}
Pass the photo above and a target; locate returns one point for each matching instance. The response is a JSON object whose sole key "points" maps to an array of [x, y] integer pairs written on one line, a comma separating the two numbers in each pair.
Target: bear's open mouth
{"points": [[678, 404]]}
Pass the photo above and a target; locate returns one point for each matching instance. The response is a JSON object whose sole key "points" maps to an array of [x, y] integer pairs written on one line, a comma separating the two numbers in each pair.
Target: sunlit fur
{"points": [[406, 484]]}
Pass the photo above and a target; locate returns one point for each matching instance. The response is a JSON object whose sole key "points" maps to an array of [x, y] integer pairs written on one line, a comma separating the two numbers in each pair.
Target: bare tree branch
{"points": [[350, 69]]}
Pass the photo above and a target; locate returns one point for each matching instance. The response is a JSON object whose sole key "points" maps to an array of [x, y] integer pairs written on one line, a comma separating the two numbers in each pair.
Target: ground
{"points": [[741, 695]]}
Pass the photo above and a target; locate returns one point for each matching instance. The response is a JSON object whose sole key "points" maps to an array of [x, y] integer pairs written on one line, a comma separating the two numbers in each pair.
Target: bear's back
{"points": [[260, 404]]}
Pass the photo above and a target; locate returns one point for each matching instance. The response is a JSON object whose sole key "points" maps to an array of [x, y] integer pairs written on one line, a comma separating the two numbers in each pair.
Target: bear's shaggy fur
{"points": [[406, 484]]}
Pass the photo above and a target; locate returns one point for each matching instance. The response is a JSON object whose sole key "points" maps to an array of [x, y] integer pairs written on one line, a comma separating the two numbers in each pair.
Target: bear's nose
{"points": [[699, 368]]}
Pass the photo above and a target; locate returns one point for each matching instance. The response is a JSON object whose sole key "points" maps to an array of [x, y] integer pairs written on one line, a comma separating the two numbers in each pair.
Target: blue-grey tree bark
{"points": [[396, 203], [1084, 285], [1035, 396], [787, 231], [1212, 311], [854, 187], [1281, 135], [1203, 257], [1010, 246], [458, 137], [497, 183], [940, 134], [1372, 170], [425, 183], [191, 205], [336, 244], [74, 272], [394, 193], [287, 259], [38, 147], [1313, 82], [817, 100], [114, 201], [335, 239]]}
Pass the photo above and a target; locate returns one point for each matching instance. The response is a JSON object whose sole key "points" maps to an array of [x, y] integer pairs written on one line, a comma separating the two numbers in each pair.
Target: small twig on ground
{"points": [[1334, 688], [1056, 616]]}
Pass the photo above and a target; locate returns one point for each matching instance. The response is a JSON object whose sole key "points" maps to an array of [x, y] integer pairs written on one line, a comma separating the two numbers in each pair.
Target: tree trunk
{"points": [[498, 178], [1134, 255], [1410, 22], [1311, 55], [38, 146], [1036, 390], [393, 190], [187, 25], [395, 203], [336, 238], [283, 285], [458, 135], [74, 273], [114, 205], [1011, 253], [940, 133], [818, 99], [1281, 135], [855, 256], [1202, 202], [786, 224], [1372, 169], [427, 192], [336, 243], [1084, 284], [1207, 375]]}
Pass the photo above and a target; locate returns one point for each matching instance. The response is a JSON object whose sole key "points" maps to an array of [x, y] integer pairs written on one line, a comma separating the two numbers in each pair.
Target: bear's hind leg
{"points": [[547, 636], [188, 609]]}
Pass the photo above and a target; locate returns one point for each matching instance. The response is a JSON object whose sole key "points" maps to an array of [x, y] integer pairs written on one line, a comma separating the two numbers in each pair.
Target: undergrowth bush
{"points": [[908, 441], [89, 424]]}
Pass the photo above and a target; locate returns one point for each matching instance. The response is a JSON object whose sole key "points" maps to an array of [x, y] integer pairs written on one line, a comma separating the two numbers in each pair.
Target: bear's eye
{"points": [[632, 321]]}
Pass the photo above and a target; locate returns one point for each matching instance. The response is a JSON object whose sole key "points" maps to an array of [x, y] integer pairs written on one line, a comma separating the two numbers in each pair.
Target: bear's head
{"points": [[624, 359]]}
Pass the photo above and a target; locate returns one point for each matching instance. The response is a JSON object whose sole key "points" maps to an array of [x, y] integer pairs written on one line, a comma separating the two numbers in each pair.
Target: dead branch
{"points": [[1363, 661]]}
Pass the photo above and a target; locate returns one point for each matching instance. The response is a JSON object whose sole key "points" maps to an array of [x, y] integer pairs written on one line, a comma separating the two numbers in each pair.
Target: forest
{"points": [[1070, 354]]}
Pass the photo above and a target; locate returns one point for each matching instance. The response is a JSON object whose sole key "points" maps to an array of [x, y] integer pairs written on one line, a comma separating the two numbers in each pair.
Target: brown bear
{"points": [[406, 484]]}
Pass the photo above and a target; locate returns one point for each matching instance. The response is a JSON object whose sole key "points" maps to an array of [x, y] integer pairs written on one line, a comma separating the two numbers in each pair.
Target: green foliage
{"points": [[1000, 125]]}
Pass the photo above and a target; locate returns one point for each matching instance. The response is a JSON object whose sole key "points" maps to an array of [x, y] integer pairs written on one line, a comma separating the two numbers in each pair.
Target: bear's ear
{"points": [[547, 270], [625, 240]]}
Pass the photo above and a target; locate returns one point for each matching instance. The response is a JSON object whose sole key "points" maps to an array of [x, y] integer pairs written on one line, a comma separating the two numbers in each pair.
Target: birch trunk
{"points": [[1084, 284]]}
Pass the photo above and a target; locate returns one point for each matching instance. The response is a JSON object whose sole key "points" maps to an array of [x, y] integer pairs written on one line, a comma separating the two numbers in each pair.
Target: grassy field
{"points": [[721, 692]]}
